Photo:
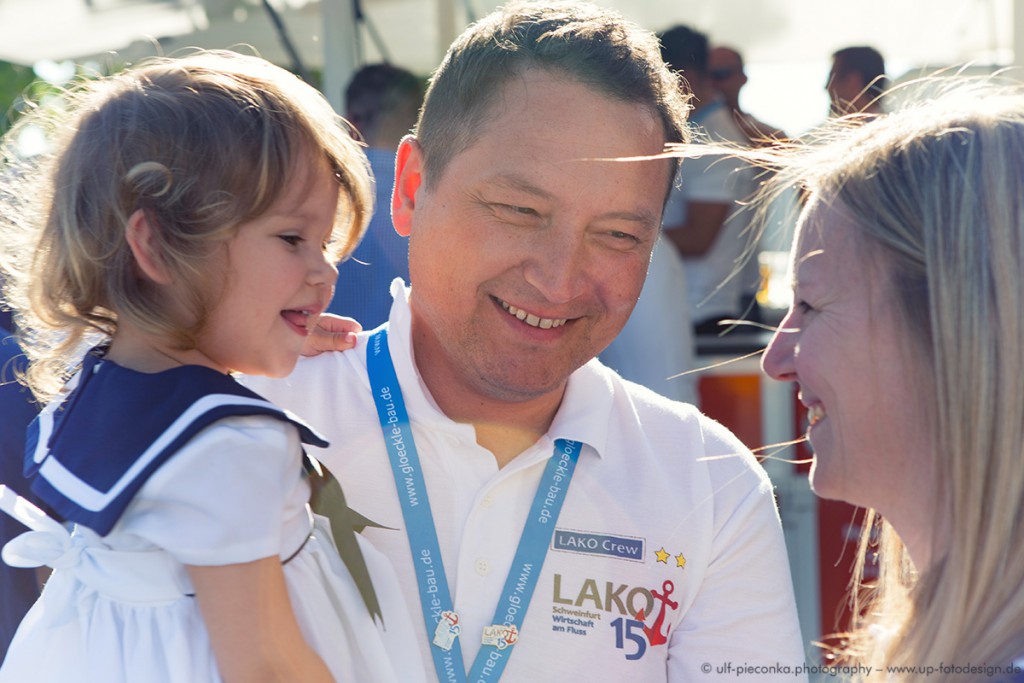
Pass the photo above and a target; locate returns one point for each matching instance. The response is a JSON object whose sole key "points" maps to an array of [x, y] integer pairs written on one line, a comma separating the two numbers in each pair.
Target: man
{"points": [[856, 82], [579, 527], [727, 74], [725, 69], [381, 102], [704, 217]]}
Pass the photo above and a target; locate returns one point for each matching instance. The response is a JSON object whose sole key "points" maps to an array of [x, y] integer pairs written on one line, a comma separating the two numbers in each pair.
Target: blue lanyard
{"points": [[435, 598]]}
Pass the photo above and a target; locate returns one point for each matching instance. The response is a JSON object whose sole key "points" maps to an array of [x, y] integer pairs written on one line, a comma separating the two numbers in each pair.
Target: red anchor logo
{"points": [[653, 633]]}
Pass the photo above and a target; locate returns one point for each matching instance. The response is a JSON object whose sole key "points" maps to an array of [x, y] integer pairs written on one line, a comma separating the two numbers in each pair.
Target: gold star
{"points": [[662, 555], [680, 561]]}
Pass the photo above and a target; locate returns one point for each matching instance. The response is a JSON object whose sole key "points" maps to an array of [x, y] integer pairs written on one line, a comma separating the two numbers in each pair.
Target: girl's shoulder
{"points": [[91, 451]]}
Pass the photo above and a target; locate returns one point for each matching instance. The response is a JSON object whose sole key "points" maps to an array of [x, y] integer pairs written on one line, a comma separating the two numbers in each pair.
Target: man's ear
{"points": [[408, 179], [141, 238]]}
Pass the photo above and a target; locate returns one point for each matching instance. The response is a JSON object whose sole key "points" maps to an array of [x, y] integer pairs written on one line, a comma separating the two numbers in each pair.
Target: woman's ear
{"points": [[408, 179], [141, 238]]}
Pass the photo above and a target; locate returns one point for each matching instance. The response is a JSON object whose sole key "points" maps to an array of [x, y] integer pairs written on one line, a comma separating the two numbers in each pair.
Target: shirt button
{"points": [[483, 567], [487, 501]]}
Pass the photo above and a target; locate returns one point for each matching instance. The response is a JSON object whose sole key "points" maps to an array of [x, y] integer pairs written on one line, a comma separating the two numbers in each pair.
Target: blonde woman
{"points": [[906, 339]]}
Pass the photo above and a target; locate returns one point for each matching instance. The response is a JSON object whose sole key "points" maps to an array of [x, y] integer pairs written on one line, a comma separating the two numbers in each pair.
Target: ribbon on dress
{"points": [[48, 543]]}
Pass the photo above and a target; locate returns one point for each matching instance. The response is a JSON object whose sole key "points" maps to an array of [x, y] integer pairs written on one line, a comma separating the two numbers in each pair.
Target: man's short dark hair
{"points": [[866, 62], [685, 49], [377, 89], [593, 45]]}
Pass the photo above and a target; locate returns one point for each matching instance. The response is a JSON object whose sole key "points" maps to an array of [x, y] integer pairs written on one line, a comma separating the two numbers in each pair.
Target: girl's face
{"points": [[844, 343], [279, 278]]}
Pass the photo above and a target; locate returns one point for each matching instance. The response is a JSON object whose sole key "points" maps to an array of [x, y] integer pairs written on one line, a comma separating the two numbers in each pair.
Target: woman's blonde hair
{"points": [[201, 144], [937, 190]]}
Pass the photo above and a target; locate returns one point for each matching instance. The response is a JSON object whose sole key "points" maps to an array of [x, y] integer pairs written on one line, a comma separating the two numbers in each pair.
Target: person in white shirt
{"points": [[704, 217], [727, 76], [548, 520]]}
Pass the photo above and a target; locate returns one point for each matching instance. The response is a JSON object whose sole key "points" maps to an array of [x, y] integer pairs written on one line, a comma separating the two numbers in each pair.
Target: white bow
{"points": [[48, 542]]}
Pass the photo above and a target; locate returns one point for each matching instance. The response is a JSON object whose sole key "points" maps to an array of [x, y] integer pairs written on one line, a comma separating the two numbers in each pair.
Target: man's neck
{"points": [[505, 427]]}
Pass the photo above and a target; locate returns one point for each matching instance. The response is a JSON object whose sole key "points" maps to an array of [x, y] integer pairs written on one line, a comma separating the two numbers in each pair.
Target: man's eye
{"points": [[803, 306], [619, 235], [518, 210]]}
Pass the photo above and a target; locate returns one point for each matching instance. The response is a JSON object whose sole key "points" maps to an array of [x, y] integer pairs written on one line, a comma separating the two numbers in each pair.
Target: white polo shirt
{"points": [[667, 513]]}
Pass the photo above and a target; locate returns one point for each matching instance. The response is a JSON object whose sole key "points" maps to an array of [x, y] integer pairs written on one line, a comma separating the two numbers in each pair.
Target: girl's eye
{"points": [[292, 240]]}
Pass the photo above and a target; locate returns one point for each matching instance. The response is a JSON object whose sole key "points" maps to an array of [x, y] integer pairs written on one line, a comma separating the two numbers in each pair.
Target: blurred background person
{"points": [[382, 101], [703, 217], [906, 340], [727, 75], [725, 69], [856, 81]]}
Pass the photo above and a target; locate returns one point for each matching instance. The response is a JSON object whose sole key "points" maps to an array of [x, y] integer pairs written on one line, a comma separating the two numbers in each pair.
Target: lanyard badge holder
{"points": [[435, 598]]}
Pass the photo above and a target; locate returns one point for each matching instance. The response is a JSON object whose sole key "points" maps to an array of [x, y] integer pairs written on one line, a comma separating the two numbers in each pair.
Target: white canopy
{"points": [[787, 44]]}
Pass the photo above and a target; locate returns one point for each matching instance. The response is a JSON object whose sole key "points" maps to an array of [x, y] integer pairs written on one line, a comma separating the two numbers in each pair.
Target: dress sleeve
{"points": [[223, 498]]}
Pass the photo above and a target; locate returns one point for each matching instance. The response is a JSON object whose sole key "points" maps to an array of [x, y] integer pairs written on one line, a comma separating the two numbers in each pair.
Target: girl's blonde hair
{"points": [[937, 190], [201, 144]]}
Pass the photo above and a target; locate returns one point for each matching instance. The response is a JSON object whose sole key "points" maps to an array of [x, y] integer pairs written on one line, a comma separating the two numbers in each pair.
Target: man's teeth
{"points": [[815, 414], [531, 319]]}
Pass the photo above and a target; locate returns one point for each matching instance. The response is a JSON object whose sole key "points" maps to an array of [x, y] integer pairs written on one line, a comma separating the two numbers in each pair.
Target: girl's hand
{"points": [[332, 333]]}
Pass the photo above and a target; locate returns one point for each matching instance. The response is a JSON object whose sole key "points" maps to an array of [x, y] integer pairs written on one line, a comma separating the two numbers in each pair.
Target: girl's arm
{"points": [[252, 627]]}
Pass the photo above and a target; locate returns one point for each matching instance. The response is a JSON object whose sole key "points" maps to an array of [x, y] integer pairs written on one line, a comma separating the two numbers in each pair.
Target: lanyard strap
{"points": [[529, 558], [435, 598]]}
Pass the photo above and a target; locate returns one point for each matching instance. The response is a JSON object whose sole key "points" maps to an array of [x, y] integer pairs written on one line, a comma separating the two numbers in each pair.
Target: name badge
{"points": [[447, 630], [500, 636]]}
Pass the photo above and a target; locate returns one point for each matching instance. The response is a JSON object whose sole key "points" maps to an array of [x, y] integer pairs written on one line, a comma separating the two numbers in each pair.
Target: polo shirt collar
{"points": [[586, 408], [584, 414]]}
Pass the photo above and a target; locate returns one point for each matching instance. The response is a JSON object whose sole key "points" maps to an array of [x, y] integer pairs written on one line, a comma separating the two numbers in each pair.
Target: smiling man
{"points": [[549, 521]]}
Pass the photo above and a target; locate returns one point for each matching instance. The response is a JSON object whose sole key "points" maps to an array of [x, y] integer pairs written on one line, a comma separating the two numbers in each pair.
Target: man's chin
{"points": [[516, 385]]}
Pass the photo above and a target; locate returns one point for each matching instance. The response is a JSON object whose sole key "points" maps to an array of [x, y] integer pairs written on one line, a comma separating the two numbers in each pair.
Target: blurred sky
{"points": [[786, 43]]}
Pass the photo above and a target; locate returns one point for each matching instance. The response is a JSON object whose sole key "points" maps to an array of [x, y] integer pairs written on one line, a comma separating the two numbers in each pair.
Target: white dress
{"points": [[119, 608]]}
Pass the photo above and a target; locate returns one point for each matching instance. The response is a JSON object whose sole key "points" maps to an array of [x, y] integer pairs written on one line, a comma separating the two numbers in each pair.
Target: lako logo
{"points": [[622, 547], [643, 615]]}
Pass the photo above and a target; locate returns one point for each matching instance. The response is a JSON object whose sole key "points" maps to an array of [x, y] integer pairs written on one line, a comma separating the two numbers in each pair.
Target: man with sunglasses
{"points": [[727, 76]]}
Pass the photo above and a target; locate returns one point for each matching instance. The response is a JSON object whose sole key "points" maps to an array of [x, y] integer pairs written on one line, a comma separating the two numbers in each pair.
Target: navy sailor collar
{"points": [[90, 452]]}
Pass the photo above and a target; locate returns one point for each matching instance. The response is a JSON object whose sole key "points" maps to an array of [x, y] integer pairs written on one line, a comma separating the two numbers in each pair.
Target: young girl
{"points": [[187, 218]]}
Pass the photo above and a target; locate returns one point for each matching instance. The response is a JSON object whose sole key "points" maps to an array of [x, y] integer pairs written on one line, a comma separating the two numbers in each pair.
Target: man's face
{"points": [[844, 89], [528, 253], [726, 73]]}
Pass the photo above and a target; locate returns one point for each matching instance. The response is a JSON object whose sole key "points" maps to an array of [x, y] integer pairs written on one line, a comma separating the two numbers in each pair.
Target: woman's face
{"points": [[845, 345]]}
